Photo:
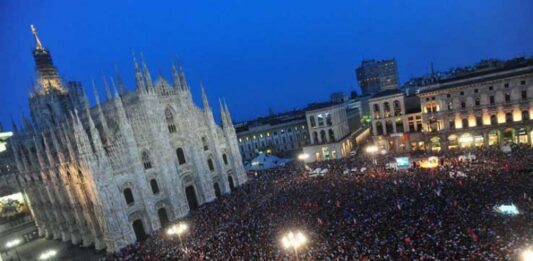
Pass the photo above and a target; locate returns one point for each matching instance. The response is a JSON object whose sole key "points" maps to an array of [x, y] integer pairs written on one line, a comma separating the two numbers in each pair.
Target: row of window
{"points": [[434, 107], [147, 163], [267, 134], [387, 112], [128, 194], [493, 120], [281, 145], [323, 119], [396, 126], [330, 137], [491, 88]]}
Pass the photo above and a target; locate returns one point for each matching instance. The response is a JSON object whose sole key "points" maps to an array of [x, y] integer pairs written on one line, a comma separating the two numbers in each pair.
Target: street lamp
{"points": [[48, 254], [178, 230], [527, 255], [372, 149], [293, 240], [303, 156], [14, 244]]}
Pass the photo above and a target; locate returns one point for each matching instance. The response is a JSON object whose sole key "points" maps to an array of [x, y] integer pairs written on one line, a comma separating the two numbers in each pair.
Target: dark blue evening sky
{"points": [[256, 54]]}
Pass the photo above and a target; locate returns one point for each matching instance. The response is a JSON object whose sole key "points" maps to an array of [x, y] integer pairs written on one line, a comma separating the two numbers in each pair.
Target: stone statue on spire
{"points": [[37, 40]]}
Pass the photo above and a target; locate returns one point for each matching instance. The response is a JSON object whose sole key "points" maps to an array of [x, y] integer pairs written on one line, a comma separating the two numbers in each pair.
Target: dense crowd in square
{"points": [[377, 214]]}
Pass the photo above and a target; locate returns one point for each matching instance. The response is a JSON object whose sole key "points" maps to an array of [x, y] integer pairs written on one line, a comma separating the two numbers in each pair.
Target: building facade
{"points": [[283, 135], [492, 109], [375, 76], [396, 119], [488, 107], [330, 132], [286, 134], [111, 174]]}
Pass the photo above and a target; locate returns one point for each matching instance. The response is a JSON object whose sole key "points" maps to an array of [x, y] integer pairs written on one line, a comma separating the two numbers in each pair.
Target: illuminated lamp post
{"points": [[303, 157], [527, 255], [372, 149], [178, 230], [294, 240]]}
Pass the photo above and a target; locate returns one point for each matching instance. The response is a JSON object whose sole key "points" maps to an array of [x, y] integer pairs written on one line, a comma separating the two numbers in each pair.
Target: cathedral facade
{"points": [[110, 174]]}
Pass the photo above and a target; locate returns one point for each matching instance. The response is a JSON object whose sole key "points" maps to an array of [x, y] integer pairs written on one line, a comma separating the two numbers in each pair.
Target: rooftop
{"points": [[498, 73], [484, 67], [386, 93]]}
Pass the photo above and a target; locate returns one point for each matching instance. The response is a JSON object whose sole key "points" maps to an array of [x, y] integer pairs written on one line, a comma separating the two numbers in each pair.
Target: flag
{"points": [[338, 203], [472, 234]]}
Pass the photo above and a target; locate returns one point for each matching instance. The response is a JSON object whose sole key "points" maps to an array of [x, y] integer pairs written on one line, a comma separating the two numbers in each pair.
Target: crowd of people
{"points": [[379, 214]]}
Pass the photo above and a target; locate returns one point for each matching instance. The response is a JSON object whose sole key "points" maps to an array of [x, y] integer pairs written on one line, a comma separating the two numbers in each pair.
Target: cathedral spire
{"points": [[27, 123], [228, 115], [204, 98], [183, 80], [48, 77], [66, 140], [58, 149], [82, 140], [176, 77], [223, 114], [115, 92], [147, 76], [24, 158], [107, 90], [119, 81], [38, 152], [95, 136], [96, 95], [138, 75], [38, 44], [101, 117], [47, 151]]}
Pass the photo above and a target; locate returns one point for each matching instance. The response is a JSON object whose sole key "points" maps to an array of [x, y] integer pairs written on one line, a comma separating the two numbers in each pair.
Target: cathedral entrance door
{"points": [[230, 181], [217, 190], [163, 217], [191, 197], [138, 228]]}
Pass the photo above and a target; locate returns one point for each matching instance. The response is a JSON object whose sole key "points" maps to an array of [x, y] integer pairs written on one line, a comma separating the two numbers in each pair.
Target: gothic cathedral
{"points": [[111, 174]]}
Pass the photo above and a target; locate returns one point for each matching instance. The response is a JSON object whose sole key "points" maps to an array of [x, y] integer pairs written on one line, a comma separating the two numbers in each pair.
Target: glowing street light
{"points": [[13, 244], [372, 149], [527, 255], [303, 156], [48, 254], [294, 240], [178, 230]]}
